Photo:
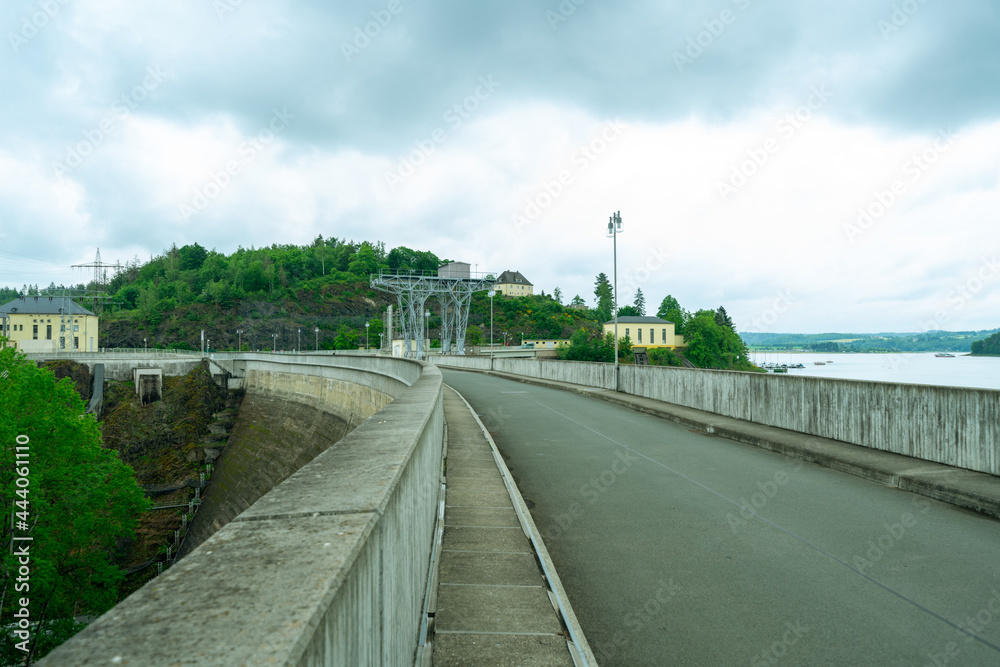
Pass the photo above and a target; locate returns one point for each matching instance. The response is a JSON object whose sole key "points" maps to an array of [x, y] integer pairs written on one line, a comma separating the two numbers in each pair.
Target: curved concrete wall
{"points": [[294, 409], [956, 426], [329, 567]]}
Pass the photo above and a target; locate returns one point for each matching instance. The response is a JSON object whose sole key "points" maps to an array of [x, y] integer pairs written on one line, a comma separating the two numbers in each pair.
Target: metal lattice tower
{"points": [[100, 272], [453, 292]]}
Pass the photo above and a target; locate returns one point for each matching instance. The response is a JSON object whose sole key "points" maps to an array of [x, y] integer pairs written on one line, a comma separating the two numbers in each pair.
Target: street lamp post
{"points": [[367, 324], [144, 345], [493, 293], [274, 342], [614, 229], [239, 340], [317, 338], [298, 343]]}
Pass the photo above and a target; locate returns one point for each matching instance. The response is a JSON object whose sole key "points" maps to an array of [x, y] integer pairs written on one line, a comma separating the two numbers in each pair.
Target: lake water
{"points": [[912, 367]]}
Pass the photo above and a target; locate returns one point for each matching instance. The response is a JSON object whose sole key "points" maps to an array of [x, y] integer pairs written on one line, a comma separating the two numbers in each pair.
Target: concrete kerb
{"points": [[963, 488], [577, 643]]}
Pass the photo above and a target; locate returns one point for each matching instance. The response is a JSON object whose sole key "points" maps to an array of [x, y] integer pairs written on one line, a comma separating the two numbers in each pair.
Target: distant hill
{"points": [[930, 341], [988, 346]]}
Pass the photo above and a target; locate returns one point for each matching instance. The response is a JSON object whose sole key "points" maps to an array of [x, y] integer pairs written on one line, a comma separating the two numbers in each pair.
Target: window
{"points": [[76, 342], [76, 327], [34, 332], [626, 332], [48, 332], [652, 338], [664, 336], [640, 334]]}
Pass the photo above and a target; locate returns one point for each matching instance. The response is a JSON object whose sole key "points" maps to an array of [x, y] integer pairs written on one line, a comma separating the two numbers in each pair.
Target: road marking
{"points": [[784, 530]]}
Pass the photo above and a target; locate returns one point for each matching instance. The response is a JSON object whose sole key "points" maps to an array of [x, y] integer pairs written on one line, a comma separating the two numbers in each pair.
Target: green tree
{"points": [[671, 311], [557, 295], [663, 356], [474, 335], [711, 345], [629, 311], [578, 301], [364, 262], [375, 327], [640, 302], [723, 320], [989, 345], [192, 257], [79, 501], [346, 338], [605, 297]]}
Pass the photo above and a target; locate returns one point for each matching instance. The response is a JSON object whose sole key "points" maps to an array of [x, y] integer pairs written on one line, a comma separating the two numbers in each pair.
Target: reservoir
{"points": [[907, 367]]}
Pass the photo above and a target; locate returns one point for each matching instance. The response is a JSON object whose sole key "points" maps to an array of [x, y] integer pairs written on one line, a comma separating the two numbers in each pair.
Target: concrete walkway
{"points": [[494, 604]]}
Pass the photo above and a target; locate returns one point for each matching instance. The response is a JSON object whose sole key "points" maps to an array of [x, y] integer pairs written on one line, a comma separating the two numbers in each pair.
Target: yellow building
{"points": [[512, 283], [33, 323], [646, 332]]}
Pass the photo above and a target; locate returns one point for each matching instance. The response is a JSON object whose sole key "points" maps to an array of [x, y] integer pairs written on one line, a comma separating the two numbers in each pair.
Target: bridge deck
{"points": [[677, 546]]}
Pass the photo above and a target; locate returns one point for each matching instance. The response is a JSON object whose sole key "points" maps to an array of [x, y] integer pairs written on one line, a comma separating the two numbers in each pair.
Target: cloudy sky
{"points": [[811, 166]]}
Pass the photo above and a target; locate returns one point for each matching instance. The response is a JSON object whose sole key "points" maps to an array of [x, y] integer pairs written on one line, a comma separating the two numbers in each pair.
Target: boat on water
{"points": [[944, 354], [819, 363]]}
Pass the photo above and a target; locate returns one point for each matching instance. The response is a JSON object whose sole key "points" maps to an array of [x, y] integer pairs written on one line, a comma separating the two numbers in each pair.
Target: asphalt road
{"points": [[677, 547]]}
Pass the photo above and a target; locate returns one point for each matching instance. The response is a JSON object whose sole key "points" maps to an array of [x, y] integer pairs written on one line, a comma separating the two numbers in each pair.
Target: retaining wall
{"points": [[119, 366], [329, 567], [956, 426]]}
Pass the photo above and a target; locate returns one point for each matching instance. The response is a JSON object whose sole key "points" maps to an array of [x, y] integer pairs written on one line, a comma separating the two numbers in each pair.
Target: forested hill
{"points": [[275, 295], [931, 341], [989, 346], [280, 295]]}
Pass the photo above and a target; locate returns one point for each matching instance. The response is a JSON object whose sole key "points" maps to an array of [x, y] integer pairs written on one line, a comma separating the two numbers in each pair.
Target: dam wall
{"points": [[956, 426], [328, 567]]}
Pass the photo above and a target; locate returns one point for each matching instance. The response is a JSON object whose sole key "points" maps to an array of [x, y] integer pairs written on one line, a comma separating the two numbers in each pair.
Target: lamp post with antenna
{"points": [[493, 293], [614, 229]]}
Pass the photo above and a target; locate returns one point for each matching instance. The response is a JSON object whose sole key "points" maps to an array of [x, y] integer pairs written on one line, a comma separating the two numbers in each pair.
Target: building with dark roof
{"points": [[34, 324], [512, 283]]}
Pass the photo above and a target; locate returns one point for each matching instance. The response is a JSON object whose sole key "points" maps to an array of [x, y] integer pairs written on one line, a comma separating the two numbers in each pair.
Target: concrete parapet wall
{"points": [[329, 567], [119, 366], [955, 426]]}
